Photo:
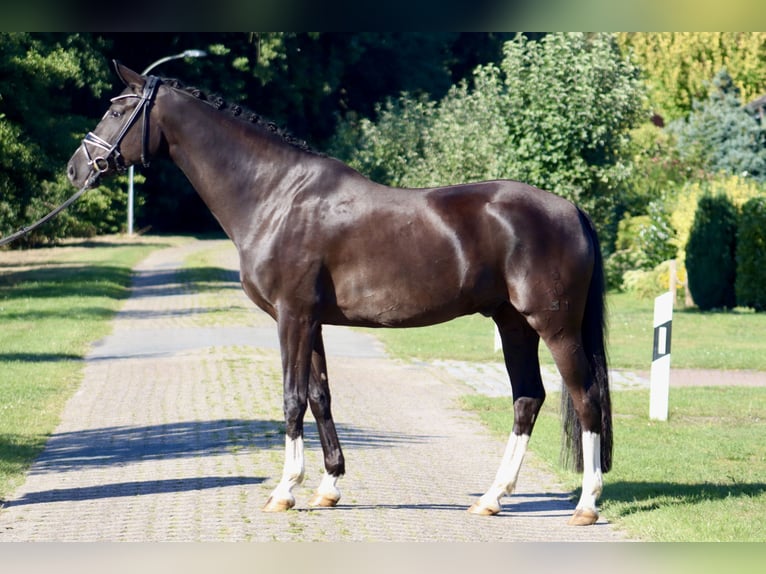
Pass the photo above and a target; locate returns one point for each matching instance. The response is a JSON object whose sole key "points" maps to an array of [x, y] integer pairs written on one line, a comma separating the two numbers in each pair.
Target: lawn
{"points": [[718, 340], [697, 477], [53, 303], [701, 476]]}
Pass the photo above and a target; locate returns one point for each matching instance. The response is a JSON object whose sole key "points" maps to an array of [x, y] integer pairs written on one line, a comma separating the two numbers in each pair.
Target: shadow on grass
{"points": [[631, 497], [71, 281], [84, 281], [39, 357]]}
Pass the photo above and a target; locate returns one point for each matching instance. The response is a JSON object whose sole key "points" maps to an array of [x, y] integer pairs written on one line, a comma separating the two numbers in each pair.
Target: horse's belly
{"points": [[407, 299]]}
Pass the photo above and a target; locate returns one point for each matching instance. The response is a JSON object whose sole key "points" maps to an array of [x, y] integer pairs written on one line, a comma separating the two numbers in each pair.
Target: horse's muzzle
{"points": [[80, 175]]}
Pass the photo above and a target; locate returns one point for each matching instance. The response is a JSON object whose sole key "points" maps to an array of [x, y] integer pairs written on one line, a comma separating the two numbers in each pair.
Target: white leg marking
{"points": [[292, 475], [505, 479], [592, 481], [327, 494], [328, 486]]}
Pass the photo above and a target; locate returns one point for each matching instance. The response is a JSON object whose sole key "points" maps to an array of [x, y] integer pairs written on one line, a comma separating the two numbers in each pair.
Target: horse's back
{"points": [[406, 257]]}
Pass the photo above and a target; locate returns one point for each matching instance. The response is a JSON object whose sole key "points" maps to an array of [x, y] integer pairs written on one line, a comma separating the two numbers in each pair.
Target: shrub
{"points": [[647, 284], [684, 205], [750, 283], [618, 264], [711, 252]]}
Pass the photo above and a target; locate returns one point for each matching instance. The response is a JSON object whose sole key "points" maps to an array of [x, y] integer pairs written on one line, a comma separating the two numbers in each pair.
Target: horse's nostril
{"points": [[70, 171]]}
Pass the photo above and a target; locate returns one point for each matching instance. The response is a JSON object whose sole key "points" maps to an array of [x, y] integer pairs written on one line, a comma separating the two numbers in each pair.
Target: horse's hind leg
{"points": [[571, 360], [520, 346], [319, 400]]}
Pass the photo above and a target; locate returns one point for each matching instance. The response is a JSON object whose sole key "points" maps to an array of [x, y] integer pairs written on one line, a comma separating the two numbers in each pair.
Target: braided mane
{"points": [[241, 113]]}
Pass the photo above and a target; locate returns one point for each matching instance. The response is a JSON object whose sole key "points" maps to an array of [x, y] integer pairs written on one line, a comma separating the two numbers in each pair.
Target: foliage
{"points": [[386, 149], [39, 131], [720, 135], [654, 238], [618, 264], [648, 283], [570, 101], [643, 242], [711, 253], [750, 283], [658, 170], [683, 206], [676, 66], [553, 113], [305, 81]]}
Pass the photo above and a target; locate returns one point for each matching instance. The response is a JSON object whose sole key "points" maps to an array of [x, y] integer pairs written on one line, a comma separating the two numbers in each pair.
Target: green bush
{"points": [[750, 283], [618, 264], [553, 113], [647, 284], [711, 253]]}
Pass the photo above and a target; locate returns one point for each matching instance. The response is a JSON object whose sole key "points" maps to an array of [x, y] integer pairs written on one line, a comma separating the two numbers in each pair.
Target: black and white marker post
{"points": [[660, 373]]}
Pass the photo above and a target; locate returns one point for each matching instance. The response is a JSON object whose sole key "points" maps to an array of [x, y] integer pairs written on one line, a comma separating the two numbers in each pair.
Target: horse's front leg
{"points": [[296, 338], [328, 493]]}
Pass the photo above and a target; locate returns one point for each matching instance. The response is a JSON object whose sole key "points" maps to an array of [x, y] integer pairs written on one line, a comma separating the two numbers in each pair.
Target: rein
{"points": [[100, 164]]}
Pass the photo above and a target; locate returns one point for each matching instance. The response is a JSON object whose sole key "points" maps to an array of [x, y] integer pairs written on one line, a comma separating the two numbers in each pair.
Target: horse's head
{"points": [[123, 137]]}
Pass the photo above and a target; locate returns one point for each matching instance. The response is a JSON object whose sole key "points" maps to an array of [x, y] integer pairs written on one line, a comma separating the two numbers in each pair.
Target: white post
{"points": [[498, 340], [660, 374]]}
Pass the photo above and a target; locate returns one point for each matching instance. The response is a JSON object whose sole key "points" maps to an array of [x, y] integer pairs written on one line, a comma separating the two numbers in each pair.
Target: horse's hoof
{"points": [[481, 510], [583, 517], [320, 500], [278, 505]]}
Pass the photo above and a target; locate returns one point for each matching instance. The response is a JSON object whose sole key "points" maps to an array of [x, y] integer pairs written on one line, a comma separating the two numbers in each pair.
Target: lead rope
{"points": [[146, 98], [24, 230]]}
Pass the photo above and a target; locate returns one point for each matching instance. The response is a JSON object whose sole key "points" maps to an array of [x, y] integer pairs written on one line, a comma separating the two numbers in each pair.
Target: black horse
{"points": [[321, 244]]}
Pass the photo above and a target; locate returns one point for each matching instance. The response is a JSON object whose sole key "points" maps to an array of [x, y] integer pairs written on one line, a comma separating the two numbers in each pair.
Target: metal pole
{"points": [[184, 54]]}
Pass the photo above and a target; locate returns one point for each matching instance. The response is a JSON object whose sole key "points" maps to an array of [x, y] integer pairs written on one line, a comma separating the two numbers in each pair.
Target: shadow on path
{"points": [[133, 488], [70, 451]]}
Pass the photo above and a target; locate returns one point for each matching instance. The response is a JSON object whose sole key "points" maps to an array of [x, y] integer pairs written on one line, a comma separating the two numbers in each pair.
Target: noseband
{"points": [[100, 163]]}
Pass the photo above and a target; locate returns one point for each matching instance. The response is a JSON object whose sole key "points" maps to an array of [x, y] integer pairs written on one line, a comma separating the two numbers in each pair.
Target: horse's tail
{"points": [[593, 337]]}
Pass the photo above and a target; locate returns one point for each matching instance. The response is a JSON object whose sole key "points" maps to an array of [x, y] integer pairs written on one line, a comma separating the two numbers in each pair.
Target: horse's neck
{"points": [[230, 166]]}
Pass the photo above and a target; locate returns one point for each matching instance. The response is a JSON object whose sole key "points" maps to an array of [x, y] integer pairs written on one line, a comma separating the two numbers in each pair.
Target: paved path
{"points": [[176, 434]]}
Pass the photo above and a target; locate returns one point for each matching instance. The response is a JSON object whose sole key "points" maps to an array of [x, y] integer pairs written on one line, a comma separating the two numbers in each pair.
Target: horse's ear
{"points": [[128, 76]]}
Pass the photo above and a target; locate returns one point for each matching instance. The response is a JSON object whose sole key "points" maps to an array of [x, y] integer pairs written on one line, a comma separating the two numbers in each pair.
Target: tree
{"points": [[677, 66], [711, 253], [751, 255], [44, 78], [720, 135], [554, 113], [303, 81]]}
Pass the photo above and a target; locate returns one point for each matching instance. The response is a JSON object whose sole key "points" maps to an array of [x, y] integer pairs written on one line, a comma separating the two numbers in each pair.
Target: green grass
{"points": [[716, 340], [711, 340], [464, 339], [53, 303], [701, 476]]}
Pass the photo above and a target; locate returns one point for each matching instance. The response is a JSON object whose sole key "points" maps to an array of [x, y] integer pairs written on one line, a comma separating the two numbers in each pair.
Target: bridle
{"points": [[100, 163]]}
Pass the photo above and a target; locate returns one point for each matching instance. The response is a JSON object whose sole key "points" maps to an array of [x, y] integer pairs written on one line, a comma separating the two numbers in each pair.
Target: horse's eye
{"points": [[116, 114]]}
